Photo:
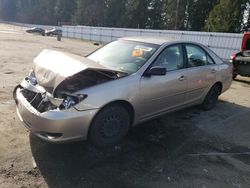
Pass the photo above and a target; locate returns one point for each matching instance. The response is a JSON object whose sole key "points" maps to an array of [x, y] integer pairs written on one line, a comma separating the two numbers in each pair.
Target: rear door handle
{"points": [[182, 78]]}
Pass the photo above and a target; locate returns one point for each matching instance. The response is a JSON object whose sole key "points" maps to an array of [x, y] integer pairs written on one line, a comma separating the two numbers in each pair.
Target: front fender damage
{"points": [[57, 76]]}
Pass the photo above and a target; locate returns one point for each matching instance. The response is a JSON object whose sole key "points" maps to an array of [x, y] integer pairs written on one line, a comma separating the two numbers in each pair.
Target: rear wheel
{"points": [[211, 98], [110, 126], [234, 75]]}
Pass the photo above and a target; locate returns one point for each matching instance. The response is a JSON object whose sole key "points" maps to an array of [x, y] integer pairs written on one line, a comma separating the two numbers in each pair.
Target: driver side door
{"points": [[162, 93]]}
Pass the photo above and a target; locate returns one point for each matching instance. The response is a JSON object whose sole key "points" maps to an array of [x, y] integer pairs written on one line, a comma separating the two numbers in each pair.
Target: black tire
{"points": [[110, 126], [211, 98]]}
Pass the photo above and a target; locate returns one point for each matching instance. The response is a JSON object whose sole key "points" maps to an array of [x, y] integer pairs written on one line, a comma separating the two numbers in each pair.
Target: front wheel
{"points": [[211, 98], [110, 126]]}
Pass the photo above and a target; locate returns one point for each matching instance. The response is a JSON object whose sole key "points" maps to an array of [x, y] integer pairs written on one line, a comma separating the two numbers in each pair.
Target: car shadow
{"points": [[244, 81], [152, 152]]}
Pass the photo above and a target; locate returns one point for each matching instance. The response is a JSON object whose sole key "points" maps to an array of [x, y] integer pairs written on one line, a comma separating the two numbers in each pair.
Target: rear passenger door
{"points": [[201, 72]]}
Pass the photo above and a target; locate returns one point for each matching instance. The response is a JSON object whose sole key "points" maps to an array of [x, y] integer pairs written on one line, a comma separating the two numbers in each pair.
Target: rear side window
{"points": [[197, 56]]}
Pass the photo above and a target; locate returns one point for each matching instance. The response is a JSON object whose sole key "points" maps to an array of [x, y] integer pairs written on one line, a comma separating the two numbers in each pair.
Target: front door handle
{"points": [[182, 78]]}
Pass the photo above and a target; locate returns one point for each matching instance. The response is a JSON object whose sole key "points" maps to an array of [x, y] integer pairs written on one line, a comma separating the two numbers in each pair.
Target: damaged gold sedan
{"points": [[99, 97]]}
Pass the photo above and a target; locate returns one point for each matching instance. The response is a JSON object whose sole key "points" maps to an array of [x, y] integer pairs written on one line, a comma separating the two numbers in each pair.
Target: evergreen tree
{"points": [[8, 10], [115, 13], [137, 13], [226, 16], [198, 12], [36, 11], [174, 14], [210, 15], [64, 10], [246, 26], [155, 14], [90, 12]]}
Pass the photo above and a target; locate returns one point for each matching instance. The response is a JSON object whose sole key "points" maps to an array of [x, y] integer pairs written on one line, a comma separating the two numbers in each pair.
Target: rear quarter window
{"points": [[215, 57]]}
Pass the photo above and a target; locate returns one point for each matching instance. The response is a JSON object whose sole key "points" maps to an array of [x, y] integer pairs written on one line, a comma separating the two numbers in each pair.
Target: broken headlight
{"points": [[70, 101]]}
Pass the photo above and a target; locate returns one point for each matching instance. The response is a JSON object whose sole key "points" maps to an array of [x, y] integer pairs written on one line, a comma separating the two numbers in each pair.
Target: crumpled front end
{"points": [[41, 114], [43, 100], [51, 68], [46, 99]]}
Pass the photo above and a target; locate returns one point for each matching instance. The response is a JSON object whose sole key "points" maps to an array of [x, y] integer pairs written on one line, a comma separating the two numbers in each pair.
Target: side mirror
{"points": [[156, 71]]}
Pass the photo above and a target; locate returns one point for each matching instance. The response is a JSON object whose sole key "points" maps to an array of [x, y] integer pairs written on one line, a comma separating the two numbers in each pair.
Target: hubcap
{"points": [[111, 126]]}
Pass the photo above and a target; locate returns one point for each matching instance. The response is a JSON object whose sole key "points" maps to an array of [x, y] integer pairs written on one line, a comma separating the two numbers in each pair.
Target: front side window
{"points": [[197, 56], [122, 55], [171, 58]]}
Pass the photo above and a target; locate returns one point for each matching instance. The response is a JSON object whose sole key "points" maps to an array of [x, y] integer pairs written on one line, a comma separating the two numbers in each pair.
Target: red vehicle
{"points": [[241, 60]]}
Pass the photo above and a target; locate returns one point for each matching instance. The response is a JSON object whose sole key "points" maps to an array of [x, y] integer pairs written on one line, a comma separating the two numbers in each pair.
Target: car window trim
{"points": [[175, 44], [185, 55], [206, 53], [191, 44], [199, 46], [156, 46], [211, 59]]}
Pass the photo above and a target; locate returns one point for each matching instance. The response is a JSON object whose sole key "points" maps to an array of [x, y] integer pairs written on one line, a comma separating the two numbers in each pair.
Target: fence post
{"points": [[210, 36], [182, 36], [81, 33], [74, 32], [90, 34], [111, 34], [100, 34]]}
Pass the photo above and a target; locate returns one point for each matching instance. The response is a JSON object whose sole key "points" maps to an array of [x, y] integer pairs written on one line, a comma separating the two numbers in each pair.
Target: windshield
{"points": [[126, 56]]}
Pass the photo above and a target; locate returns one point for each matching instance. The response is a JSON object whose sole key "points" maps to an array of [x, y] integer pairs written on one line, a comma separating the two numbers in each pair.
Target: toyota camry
{"points": [[131, 80]]}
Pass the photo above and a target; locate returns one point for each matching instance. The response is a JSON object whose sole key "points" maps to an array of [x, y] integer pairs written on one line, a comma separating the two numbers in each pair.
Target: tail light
{"points": [[233, 56], [245, 42]]}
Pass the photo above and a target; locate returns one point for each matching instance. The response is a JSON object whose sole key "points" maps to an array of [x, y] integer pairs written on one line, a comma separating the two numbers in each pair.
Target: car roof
{"points": [[152, 40]]}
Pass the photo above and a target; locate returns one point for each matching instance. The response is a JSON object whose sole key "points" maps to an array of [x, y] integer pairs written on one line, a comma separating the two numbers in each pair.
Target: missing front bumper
{"points": [[54, 125]]}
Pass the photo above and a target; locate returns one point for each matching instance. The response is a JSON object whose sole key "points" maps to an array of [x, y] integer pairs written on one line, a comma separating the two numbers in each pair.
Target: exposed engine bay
{"points": [[62, 97], [56, 76], [83, 80]]}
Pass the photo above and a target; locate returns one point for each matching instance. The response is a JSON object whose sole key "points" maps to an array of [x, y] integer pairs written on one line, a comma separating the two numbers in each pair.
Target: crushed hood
{"points": [[52, 67]]}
